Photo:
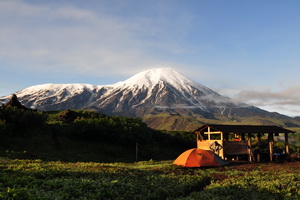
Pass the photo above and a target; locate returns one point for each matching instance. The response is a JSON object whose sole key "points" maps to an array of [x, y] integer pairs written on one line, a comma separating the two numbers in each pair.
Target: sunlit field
{"points": [[37, 179]]}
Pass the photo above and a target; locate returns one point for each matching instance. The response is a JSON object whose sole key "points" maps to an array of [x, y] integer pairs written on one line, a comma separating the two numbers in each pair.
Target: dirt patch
{"points": [[219, 177], [271, 166], [264, 167]]}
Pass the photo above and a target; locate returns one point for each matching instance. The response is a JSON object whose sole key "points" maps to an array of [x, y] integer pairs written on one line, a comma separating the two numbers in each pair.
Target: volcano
{"points": [[149, 95]]}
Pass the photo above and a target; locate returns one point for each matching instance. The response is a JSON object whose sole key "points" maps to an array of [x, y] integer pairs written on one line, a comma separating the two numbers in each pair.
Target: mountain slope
{"points": [[147, 95], [58, 96], [156, 89], [162, 90]]}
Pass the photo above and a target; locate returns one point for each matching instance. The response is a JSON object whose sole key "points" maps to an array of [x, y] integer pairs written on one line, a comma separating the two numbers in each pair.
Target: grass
{"points": [[37, 179]]}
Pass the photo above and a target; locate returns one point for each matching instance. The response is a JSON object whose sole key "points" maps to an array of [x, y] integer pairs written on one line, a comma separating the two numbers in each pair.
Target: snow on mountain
{"points": [[48, 90], [156, 76], [152, 91], [56, 96], [161, 88]]}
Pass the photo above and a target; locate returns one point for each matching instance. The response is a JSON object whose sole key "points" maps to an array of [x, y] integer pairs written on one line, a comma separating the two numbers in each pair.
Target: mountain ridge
{"points": [[146, 95]]}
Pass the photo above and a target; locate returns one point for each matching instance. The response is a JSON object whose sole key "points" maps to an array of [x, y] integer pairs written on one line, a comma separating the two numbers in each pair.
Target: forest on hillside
{"points": [[79, 135], [76, 135]]}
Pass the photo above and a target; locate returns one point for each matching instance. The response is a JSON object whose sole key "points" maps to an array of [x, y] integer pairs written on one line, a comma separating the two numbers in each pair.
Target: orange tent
{"points": [[199, 158]]}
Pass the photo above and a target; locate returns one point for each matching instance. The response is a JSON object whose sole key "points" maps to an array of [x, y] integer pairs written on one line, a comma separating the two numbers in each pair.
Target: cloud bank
{"points": [[62, 37], [285, 101]]}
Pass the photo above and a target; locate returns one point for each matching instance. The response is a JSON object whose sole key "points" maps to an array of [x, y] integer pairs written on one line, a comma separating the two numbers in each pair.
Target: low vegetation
{"points": [[86, 155], [37, 179]]}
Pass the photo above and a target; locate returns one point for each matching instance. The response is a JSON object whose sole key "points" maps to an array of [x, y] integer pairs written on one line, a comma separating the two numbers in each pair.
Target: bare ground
{"points": [[271, 167]]}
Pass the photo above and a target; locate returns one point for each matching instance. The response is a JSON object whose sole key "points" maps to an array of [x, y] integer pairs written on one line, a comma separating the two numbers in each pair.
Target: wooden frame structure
{"points": [[235, 140]]}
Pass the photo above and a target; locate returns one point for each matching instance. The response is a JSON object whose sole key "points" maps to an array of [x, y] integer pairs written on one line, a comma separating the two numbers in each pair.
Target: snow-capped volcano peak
{"points": [[147, 78], [145, 92], [153, 76], [163, 88], [156, 76]]}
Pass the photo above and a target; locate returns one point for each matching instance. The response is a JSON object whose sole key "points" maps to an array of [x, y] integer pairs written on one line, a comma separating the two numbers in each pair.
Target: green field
{"points": [[37, 179], [87, 155]]}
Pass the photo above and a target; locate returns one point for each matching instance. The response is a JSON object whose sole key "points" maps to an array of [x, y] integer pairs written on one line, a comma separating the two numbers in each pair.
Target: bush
{"points": [[19, 120]]}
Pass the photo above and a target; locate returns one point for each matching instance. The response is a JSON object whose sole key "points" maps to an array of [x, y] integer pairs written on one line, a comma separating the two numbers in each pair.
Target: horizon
{"points": [[246, 50]]}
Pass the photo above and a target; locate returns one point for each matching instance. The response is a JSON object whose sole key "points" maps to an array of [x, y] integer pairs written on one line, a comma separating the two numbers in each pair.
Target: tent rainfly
{"points": [[199, 158], [236, 139]]}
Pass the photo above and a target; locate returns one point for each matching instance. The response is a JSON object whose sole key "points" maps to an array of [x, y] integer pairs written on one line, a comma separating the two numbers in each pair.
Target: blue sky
{"points": [[247, 50]]}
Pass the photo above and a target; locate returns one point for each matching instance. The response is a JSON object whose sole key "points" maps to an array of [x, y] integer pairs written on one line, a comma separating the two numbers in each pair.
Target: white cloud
{"points": [[59, 39], [35, 36], [288, 96], [69, 12], [285, 101], [16, 8]]}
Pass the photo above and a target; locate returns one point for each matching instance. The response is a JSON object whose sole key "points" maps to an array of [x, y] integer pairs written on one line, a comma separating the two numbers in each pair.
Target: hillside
{"points": [[166, 121], [83, 136]]}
